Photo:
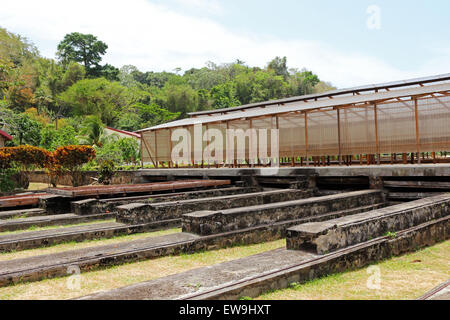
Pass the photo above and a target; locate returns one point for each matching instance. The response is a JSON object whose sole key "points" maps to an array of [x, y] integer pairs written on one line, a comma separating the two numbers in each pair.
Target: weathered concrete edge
{"points": [[356, 256], [23, 225], [102, 233], [206, 243]]}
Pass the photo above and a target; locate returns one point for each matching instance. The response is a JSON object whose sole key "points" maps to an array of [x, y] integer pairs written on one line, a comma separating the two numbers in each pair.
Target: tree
{"points": [[25, 130], [52, 138], [83, 48], [99, 97], [93, 131], [279, 66], [152, 114], [223, 96]]}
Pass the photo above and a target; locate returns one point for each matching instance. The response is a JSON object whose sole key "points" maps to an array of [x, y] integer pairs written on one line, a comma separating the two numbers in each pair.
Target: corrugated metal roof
{"points": [[295, 106], [371, 87]]}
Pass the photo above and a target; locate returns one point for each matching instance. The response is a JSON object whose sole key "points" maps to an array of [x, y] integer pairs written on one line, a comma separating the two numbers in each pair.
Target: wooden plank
{"points": [[136, 188], [21, 200]]}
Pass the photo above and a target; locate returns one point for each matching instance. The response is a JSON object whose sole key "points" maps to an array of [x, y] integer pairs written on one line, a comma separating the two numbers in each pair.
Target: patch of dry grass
{"points": [[81, 245], [128, 274], [402, 278], [41, 186]]}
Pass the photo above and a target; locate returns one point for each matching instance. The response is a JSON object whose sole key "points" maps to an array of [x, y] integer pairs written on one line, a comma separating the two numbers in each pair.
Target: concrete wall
{"points": [[121, 177], [213, 222], [136, 213]]}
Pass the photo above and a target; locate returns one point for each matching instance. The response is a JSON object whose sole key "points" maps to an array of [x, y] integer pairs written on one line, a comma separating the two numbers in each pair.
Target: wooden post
{"points": [[306, 139], [170, 148], [339, 135], [416, 115], [156, 151], [142, 150], [377, 141], [278, 129]]}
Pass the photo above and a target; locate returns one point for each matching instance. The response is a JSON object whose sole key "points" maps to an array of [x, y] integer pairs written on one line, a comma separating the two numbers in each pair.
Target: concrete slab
{"points": [[53, 220], [4, 215], [417, 170], [323, 237], [92, 206], [136, 213], [43, 238], [37, 268], [244, 217], [254, 275]]}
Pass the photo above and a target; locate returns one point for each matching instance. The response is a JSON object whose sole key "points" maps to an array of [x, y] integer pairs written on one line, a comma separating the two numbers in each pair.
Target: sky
{"points": [[346, 42]]}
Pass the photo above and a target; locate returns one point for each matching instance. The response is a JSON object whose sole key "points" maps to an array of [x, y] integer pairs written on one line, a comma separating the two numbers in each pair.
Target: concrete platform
{"points": [[422, 170], [4, 215], [92, 206], [44, 238], [323, 237], [136, 213], [254, 275], [212, 222], [53, 220], [53, 265]]}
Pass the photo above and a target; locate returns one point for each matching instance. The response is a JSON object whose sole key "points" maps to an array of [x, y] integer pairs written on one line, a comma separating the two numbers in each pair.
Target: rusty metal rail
{"points": [[136, 188], [21, 200]]}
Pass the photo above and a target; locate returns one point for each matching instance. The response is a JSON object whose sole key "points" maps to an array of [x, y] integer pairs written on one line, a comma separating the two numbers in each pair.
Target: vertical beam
{"points": [[278, 129], [142, 150], [416, 115], [377, 140], [339, 135], [156, 151], [170, 148], [306, 138]]}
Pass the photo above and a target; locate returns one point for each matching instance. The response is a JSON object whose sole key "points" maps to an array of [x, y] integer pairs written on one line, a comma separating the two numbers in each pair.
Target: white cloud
{"points": [[209, 6], [154, 37]]}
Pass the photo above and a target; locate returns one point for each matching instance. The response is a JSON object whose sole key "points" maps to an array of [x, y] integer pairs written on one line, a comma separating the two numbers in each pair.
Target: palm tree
{"points": [[93, 131]]}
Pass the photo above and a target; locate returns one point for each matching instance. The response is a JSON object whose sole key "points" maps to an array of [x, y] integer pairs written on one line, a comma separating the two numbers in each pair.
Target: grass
{"points": [[402, 278], [123, 275], [40, 186], [81, 245], [36, 228]]}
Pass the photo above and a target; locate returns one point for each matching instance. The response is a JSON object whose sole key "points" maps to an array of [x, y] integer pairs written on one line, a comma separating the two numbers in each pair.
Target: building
{"points": [[396, 122], [3, 138], [122, 133]]}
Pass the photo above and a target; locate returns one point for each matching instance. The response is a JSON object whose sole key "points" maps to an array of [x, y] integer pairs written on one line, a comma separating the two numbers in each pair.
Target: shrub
{"points": [[7, 173], [24, 159], [106, 172], [71, 158]]}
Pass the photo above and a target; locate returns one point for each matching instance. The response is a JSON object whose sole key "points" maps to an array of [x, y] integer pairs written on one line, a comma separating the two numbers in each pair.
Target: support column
{"points": [[339, 135], [377, 141], [416, 115]]}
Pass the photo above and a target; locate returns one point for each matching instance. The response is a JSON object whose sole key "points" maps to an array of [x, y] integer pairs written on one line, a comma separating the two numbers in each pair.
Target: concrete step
{"points": [[4, 215], [93, 206], [136, 213], [53, 220], [327, 236], [53, 265], [45, 238], [277, 269], [212, 222]]}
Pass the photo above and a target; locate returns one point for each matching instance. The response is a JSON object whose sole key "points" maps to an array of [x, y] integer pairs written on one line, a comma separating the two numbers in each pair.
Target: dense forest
{"points": [[68, 100]]}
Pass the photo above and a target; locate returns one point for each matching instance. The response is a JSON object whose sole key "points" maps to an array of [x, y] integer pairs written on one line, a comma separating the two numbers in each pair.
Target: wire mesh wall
{"points": [[412, 125]]}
